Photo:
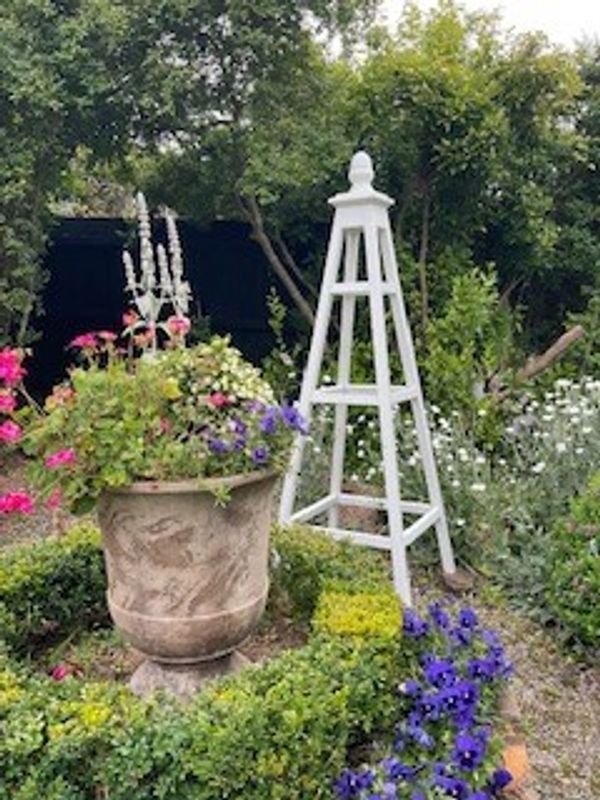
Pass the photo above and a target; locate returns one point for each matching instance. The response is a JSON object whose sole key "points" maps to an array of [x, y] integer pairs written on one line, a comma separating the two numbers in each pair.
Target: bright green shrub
{"points": [[51, 587], [281, 731], [574, 582], [346, 614]]}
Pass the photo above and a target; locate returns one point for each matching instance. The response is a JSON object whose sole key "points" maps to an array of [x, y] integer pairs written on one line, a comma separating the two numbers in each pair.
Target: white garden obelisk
{"points": [[362, 212]]}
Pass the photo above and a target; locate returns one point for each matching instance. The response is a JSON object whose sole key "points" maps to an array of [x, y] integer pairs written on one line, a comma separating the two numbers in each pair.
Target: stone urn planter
{"points": [[187, 577]]}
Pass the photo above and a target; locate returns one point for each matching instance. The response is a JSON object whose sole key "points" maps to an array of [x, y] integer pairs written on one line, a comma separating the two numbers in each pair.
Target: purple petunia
{"points": [[396, 770], [260, 455], [218, 446], [294, 419], [268, 422], [439, 617], [499, 780]]}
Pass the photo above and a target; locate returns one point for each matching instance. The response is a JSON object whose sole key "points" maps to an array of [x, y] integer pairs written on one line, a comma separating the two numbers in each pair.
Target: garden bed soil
{"points": [[104, 655]]}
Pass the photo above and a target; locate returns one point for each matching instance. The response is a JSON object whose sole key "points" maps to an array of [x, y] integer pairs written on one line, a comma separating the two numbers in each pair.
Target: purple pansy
{"points": [[260, 455], [469, 751], [413, 625]]}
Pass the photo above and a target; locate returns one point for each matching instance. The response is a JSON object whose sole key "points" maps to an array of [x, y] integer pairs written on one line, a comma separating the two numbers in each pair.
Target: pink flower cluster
{"points": [[16, 503], [8, 402], [178, 326], [10, 432], [92, 340], [62, 458], [11, 371]]}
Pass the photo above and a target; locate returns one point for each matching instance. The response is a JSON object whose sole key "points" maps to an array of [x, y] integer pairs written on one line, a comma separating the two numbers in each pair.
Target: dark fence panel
{"points": [[229, 275]]}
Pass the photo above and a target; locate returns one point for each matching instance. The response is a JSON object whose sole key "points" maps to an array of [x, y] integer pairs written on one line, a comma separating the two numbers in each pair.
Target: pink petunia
{"points": [[8, 402], [62, 458], [85, 341], [11, 371], [178, 326], [106, 336], [16, 503], [10, 432], [218, 400]]}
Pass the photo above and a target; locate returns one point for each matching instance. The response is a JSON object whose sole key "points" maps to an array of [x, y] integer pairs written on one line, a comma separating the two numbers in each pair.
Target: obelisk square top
{"points": [[361, 190]]}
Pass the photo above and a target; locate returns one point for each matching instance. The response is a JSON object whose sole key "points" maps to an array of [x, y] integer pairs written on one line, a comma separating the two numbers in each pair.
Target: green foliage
{"points": [[51, 588], [467, 344], [574, 575], [279, 366]]}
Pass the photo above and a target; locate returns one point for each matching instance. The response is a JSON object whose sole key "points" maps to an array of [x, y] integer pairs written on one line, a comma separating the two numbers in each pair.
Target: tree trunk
{"points": [[254, 217], [422, 263]]}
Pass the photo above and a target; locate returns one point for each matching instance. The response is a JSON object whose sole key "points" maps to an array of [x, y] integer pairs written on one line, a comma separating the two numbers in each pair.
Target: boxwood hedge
{"points": [[280, 731]]}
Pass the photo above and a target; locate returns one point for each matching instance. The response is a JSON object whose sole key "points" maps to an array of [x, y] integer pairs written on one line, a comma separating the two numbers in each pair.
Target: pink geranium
{"points": [[64, 670], [130, 318], [85, 341], [10, 432], [62, 458], [54, 500], [16, 503], [11, 371], [178, 326], [8, 402]]}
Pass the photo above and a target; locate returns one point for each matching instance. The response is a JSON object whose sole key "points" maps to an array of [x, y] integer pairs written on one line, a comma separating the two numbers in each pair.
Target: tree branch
{"points": [[253, 215], [537, 364]]}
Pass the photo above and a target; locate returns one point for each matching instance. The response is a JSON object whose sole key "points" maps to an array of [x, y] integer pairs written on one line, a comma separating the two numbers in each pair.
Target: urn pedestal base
{"points": [[183, 680]]}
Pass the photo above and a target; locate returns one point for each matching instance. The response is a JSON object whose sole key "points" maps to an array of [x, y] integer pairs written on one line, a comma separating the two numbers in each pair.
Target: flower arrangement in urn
{"points": [[179, 448]]}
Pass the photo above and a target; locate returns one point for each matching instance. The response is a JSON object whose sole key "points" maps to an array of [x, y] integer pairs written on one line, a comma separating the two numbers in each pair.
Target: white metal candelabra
{"points": [[362, 213], [161, 282]]}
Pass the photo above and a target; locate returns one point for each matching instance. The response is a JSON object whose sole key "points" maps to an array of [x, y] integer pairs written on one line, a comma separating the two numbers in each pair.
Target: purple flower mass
{"points": [[443, 734]]}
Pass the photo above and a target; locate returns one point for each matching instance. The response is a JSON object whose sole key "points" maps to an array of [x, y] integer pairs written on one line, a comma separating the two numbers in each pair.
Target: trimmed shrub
{"points": [[307, 563], [51, 587], [574, 581]]}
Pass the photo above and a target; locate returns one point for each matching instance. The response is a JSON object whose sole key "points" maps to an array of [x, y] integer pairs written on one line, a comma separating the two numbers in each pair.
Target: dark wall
{"points": [[229, 276]]}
